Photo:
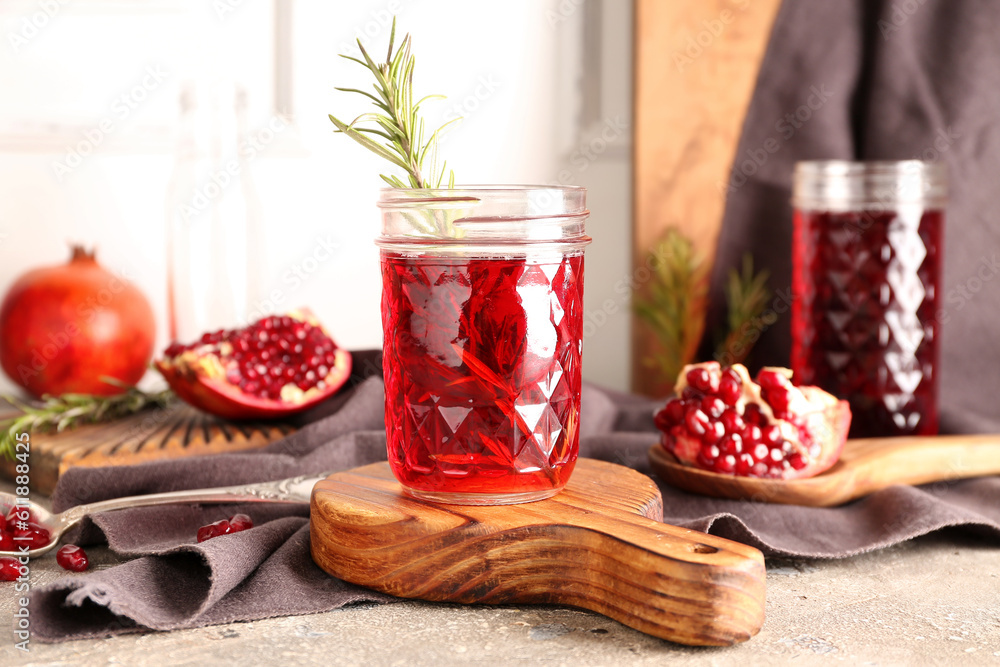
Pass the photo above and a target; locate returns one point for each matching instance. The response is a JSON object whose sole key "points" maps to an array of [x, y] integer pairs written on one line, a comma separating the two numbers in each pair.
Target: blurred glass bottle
{"points": [[213, 218]]}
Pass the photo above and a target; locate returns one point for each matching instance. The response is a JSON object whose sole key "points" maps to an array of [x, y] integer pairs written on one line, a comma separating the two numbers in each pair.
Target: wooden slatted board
{"points": [[172, 432]]}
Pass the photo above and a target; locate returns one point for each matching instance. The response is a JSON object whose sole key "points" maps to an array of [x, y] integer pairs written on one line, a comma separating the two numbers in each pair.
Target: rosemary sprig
{"points": [[673, 305], [57, 413], [398, 121], [746, 297]]}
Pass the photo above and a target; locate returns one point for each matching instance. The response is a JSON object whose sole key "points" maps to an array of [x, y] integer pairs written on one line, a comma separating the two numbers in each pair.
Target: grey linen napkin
{"points": [[171, 582]]}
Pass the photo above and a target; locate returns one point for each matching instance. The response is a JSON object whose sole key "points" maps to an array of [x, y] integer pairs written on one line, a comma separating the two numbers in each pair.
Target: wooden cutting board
{"points": [[172, 432], [598, 544]]}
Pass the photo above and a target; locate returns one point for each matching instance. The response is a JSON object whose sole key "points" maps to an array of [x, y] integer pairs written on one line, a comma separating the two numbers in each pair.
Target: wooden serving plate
{"points": [[599, 545], [865, 466]]}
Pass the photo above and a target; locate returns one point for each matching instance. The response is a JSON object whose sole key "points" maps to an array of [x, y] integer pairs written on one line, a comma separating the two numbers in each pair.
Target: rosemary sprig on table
{"points": [[57, 413], [398, 121]]}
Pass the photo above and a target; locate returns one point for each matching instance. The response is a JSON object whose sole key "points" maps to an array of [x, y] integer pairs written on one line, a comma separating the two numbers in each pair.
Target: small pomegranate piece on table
{"points": [[72, 558], [233, 524], [10, 569], [277, 366], [724, 422]]}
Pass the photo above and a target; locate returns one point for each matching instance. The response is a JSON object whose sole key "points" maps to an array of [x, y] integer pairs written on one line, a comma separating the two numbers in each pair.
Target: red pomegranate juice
{"points": [[864, 328], [482, 372]]}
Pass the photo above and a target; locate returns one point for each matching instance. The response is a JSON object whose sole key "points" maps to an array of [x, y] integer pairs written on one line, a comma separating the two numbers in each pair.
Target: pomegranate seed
{"points": [[760, 452], [34, 536], [6, 541], [744, 464], [713, 434], [691, 393], [72, 558], [216, 529], [696, 421], [751, 434], [771, 435], [732, 421], [674, 411], [713, 407], [731, 444], [771, 379], [239, 522], [797, 461], [726, 464], [174, 349], [10, 569], [778, 399], [16, 514], [3, 521], [708, 456], [730, 387], [753, 415], [701, 379], [777, 456]]}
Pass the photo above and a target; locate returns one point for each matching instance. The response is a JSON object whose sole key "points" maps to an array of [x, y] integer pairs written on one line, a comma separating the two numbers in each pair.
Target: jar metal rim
{"points": [[846, 184]]}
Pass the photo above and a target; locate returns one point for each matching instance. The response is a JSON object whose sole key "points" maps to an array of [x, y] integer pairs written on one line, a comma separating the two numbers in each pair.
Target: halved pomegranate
{"points": [[277, 366], [725, 422]]}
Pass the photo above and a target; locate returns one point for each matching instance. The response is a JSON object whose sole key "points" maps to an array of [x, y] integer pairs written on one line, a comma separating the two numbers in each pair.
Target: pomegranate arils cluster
{"points": [[233, 524], [725, 422], [19, 528], [270, 358]]}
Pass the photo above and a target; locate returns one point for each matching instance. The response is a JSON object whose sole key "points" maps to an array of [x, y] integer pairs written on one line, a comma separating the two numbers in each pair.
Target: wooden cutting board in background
{"points": [[172, 432]]}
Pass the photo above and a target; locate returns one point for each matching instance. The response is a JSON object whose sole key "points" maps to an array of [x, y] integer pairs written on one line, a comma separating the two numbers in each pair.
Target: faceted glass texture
{"points": [[482, 374], [864, 314]]}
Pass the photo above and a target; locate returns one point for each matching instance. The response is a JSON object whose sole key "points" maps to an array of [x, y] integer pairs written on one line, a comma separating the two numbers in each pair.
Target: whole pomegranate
{"points": [[277, 366], [63, 328], [724, 422]]}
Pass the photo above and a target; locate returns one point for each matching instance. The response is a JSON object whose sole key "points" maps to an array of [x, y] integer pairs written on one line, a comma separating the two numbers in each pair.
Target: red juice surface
{"points": [[482, 371], [865, 286]]}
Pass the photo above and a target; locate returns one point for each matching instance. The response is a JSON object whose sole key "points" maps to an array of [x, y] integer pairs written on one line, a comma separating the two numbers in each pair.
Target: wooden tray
{"points": [[172, 432], [598, 545]]}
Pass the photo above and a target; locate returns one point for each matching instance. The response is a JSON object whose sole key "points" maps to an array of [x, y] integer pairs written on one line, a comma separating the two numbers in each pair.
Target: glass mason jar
{"points": [[482, 314], [866, 271]]}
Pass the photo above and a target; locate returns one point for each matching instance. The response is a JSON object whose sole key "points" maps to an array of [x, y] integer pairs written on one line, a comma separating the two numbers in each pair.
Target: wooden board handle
{"points": [[666, 581]]}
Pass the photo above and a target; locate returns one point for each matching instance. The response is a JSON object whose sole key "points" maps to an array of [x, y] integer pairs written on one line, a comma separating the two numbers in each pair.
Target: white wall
{"points": [[514, 69]]}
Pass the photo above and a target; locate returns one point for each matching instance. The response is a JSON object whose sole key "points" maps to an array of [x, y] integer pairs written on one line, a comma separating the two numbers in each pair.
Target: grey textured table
{"points": [[932, 601]]}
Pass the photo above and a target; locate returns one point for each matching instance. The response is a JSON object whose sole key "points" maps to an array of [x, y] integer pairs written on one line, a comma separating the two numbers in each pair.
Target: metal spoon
{"points": [[293, 490]]}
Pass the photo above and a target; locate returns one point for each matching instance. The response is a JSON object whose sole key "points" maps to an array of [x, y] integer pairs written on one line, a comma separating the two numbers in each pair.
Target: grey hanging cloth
{"points": [[881, 80]]}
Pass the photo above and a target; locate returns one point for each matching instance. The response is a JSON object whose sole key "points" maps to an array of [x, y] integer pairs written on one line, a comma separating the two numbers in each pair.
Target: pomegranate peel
{"points": [[724, 422], [273, 368]]}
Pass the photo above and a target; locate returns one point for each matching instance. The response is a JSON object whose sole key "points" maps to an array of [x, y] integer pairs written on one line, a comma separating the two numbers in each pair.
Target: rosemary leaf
{"points": [[397, 119], [747, 295], [58, 413], [673, 303]]}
